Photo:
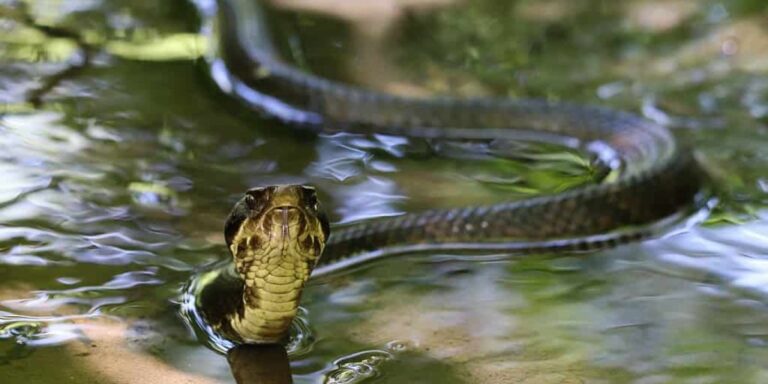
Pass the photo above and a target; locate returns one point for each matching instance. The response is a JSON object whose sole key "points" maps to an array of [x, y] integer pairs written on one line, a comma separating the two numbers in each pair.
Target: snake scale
{"points": [[657, 178]]}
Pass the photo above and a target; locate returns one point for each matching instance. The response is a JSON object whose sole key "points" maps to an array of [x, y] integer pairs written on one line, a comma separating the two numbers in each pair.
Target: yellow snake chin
{"points": [[274, 254]]}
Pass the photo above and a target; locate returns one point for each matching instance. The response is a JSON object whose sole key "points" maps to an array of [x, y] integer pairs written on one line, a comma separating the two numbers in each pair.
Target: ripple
{"points": [[39, 330], [734, 256], [373, 197], [300, 337], [17, 183], [357, 367], [338, 160]]}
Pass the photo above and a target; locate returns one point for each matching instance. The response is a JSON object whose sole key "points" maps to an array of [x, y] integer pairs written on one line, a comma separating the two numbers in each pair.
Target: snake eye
{"points": [[310, 196], [255, 197], [250, 201]]}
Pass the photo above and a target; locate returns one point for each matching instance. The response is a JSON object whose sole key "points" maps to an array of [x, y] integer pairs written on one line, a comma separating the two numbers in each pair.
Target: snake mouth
{"points": [[283, 218], [284, 221]]}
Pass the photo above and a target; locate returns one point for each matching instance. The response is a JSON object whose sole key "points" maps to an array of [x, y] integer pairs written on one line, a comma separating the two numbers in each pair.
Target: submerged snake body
{"points": [[656, 177]]}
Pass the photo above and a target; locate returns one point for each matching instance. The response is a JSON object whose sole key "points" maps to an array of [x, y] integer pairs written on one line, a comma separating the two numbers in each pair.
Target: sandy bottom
{"points": [[103, 350]]}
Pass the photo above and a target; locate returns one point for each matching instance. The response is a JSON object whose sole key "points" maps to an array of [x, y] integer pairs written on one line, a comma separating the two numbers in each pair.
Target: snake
{"points": [[279, 234]]}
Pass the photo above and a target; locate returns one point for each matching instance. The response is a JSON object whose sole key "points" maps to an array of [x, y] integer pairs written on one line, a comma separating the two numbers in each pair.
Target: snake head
{"points": [[276, 234], [277, 225]]}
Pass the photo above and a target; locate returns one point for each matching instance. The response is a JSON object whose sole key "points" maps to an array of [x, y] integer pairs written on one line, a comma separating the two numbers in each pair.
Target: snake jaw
{"points": [[276, 236]]}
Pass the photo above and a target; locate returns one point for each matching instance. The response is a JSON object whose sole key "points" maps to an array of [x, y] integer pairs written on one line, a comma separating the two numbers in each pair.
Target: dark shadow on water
{"points": [[260, 364]]}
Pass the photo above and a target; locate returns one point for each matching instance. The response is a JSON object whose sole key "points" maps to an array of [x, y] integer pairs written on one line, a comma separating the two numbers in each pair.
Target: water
{"points": [[115, 190]]}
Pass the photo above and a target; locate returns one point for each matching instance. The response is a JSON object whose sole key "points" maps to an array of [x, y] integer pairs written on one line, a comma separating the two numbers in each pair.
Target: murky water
{"points": [[114, 190]]}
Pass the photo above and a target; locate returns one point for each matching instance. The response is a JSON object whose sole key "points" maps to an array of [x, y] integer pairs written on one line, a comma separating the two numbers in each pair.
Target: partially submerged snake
{"points": [[277, 234]]}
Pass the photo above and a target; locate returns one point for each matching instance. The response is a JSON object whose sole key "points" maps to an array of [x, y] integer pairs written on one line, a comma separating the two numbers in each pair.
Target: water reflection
{"points": [[114, 191], [259, 364], [732, 259]]}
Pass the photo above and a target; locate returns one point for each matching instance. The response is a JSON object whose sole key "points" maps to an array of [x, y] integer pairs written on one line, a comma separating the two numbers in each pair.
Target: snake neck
{"points": [[270, 301], [275, 235]]}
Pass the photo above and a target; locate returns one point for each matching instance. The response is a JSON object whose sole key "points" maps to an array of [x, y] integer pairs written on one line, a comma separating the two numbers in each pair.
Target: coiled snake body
{"points": [[657, 178]]}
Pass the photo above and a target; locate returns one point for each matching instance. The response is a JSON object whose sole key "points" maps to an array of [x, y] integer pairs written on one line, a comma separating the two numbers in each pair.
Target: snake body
{"points": [[656, 177]]}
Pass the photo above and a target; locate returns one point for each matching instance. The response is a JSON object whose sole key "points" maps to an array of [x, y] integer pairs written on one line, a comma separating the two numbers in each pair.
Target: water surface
{"points": [[116, 184]]}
